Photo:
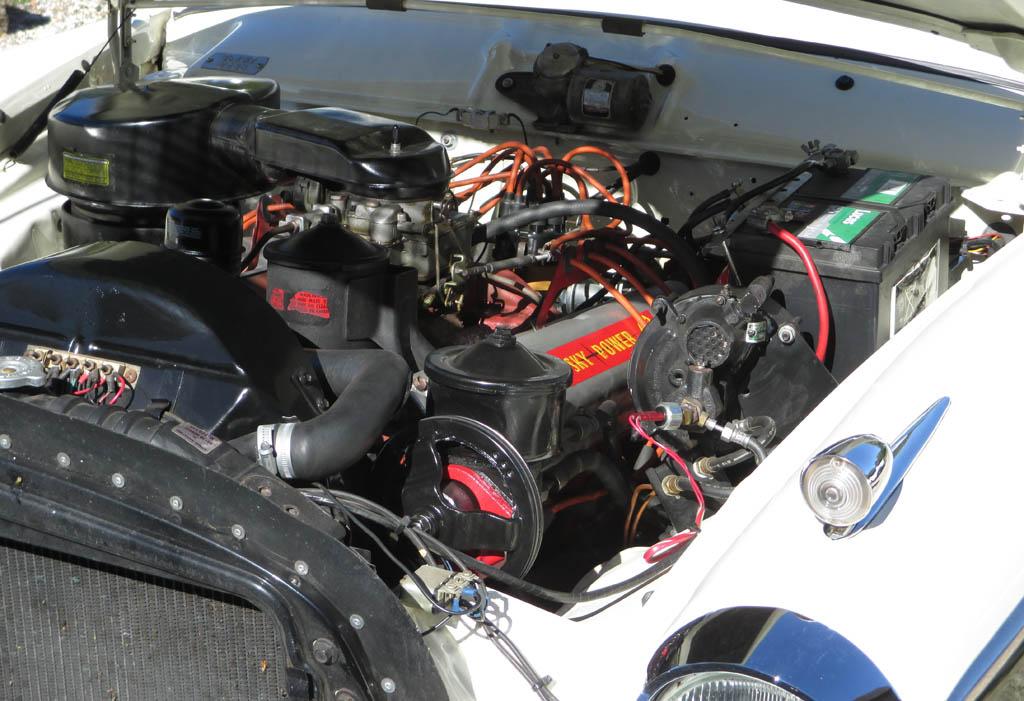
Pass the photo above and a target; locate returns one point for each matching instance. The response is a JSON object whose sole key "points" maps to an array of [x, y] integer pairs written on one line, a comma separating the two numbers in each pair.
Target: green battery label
{"points": [[86, 170], [839, 224]]}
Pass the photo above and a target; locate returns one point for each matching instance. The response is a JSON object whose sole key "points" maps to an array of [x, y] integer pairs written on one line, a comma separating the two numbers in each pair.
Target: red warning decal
{"points": [[277, 299], [309, 303], [600, 350]]}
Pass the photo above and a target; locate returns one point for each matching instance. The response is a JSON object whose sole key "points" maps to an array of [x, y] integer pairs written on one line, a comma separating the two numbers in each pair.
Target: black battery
{"points": [[880, 241]]}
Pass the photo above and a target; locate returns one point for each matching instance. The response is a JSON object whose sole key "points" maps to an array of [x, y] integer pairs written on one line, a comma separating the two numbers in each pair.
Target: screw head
{"points": [[356, 621], [301, 568], [322, 404], [131, 375], [420, 382], [5, 442], [176, 503], [117, 479], [323, 651], [449, 141], [238, 532], [63, 459], [294, 581], [507, 83], [265, 491], [787, 334], [387, 685]]}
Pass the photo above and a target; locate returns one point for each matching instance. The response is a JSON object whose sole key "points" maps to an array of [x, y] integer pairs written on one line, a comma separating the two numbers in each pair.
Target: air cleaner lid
{"points": [[329, 248], [497, 365]]}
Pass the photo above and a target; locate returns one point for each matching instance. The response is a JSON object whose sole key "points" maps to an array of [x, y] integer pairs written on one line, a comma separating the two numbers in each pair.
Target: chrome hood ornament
{"points": [[848, 484]]}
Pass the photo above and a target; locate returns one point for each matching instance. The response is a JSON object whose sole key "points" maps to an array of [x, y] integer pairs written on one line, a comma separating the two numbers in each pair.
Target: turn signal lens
{"points": [[837, 491]]}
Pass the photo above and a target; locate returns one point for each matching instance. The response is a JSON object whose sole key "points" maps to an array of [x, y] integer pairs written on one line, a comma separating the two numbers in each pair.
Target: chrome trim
{"points": [[903, 452], [795, 653], [993, 658]]}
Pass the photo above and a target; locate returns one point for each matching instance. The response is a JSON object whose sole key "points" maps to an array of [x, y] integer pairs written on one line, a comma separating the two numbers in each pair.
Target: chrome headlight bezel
{"points": [[657, 689]]}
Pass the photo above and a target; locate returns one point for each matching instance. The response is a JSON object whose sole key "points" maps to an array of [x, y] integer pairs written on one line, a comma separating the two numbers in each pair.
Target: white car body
{"points": [[921, 593]]}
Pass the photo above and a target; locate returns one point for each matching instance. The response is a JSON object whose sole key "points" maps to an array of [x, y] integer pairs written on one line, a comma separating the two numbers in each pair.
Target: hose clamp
{"points": [[273, 446], [283, 449]]}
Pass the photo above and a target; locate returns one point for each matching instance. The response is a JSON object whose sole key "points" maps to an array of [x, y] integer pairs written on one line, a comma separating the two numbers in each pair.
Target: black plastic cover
{"points": [[504, 385], [205, 342], [151, 146], [328, 248], [358, 152], [498, 365]]}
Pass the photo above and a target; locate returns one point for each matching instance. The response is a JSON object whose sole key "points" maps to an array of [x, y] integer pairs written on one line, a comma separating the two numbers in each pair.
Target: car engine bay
{"points": [[502, 358]]}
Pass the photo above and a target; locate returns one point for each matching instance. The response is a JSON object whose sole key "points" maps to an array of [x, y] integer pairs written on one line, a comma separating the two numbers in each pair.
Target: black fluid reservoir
{"points": [[504, 385], [208, 230]]}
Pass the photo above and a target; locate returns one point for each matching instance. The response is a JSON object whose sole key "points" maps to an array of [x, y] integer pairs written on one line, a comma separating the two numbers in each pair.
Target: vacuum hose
{"points": [[370, 386], [681, 250]]}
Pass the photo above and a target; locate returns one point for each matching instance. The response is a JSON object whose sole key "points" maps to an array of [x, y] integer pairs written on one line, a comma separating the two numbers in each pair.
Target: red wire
{"points": [[819, 289], [576, 501], [664, 547], [121, 384]]}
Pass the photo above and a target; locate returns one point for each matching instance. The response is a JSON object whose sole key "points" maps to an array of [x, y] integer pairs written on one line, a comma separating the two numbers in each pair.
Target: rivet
{"points": [[301, 568], [356, 621], [63, 459], [176, 503], [117, 479], [238, 532]]}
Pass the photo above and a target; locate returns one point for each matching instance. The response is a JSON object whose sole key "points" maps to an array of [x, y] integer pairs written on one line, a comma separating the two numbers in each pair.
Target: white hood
{"points": [[992, 26]]}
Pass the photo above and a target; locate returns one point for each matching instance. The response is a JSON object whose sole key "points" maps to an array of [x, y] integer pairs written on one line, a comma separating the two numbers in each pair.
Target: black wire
{"points": [[436, 626], [514, 655], [483, 251], [434, 112], [387, 519], [513, 115], [254, 254], [477, 606]]}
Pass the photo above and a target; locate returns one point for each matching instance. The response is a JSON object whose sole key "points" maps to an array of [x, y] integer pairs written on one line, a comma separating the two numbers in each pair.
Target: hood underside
{"points": [[992, 26]]}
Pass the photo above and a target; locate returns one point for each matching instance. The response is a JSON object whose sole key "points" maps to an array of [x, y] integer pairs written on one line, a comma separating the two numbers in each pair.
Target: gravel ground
{"points": [[32, 19]]}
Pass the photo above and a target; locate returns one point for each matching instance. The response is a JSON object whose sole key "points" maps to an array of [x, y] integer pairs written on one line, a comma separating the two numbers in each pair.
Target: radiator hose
{"points": [[370, 386]]}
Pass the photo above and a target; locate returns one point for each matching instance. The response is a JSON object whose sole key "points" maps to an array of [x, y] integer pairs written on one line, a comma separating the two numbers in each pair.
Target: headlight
{"points": [[723, 686]]}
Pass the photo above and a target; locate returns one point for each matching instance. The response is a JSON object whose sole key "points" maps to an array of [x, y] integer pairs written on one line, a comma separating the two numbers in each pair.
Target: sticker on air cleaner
{"points": [[600, 350], [86, 170]]}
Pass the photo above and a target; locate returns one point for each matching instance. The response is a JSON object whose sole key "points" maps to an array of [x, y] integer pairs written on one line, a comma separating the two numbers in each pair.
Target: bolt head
{"points": [[322, 404], [117, 479], [387, 685], [5, 442], [301, 568], [63, 459], [176, 503], [356, 621], [238, 532], [323, 651], [787, 334]]}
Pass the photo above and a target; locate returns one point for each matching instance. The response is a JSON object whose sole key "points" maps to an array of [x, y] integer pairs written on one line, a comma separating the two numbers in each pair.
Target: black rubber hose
{"points": [[564, 597], [370, 386], [681, 250], [599, 465]]}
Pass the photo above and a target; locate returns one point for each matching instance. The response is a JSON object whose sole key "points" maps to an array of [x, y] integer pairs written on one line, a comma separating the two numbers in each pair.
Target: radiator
{"points": [[73, 629]]}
